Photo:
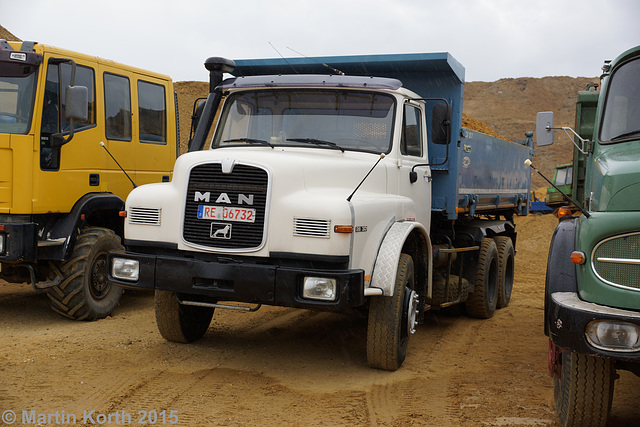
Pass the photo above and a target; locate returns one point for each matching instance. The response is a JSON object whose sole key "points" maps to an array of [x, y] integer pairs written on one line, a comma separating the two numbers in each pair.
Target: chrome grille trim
{"points": [[616, 261], [144, 216], [311, 227]]}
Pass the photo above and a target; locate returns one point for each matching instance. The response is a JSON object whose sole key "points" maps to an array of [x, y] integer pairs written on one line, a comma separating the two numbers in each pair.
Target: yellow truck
{"points": [[77, 134]]}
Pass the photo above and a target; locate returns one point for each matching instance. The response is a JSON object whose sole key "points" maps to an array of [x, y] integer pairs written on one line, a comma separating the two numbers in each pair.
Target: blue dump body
{"points": [[481, 174]]}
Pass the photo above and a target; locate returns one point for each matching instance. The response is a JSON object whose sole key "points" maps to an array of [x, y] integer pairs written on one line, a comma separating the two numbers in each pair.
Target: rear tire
{"points": [[388, 331], [84, 292], [484, 298], [180, 323], [584, 390], [506, 261]]}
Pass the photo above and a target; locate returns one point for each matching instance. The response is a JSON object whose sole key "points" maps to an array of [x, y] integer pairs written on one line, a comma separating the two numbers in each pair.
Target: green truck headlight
{"points": [[614, 335], [125, 269], [320, 288]]}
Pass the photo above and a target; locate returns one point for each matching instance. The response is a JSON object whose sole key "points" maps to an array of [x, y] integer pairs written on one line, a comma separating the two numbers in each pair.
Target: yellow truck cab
{"points": [[77, 134]]}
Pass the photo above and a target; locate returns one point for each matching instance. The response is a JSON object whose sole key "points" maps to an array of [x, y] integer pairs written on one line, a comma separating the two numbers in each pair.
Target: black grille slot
{"points": [[209, 181]]}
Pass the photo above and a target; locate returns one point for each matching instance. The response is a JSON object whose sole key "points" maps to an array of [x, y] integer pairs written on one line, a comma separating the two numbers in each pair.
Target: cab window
{"points": [[152, 112], [117, 100], [53, 109], [411, 144]]}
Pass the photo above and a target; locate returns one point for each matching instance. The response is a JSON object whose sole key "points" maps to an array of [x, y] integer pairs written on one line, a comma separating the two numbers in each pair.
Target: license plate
{"points": [[226, 213]]}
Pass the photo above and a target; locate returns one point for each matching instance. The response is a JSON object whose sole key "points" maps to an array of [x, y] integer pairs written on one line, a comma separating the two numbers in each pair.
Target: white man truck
{"points": [[357, 191]]}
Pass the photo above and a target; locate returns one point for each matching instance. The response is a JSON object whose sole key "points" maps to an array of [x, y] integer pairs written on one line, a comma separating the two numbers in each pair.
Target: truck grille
{"points": [[245, 187], [616, 261]]}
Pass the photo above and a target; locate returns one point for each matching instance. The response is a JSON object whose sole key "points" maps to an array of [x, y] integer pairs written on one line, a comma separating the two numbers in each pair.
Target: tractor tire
{"points": [[584, 390], [84, 292], [180, 323], [506, 269], [388, 332], [484, 298]]}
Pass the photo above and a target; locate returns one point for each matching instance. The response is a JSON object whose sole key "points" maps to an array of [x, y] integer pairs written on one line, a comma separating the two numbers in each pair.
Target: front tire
{"points": [[584, 390], [482, 302], [180, 323], [389, 326], [84, 292]]}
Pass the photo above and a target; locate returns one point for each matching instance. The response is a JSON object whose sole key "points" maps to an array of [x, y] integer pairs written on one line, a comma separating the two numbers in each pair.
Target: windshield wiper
{"points": [[317, 142], [626, 134], [252, 141]]}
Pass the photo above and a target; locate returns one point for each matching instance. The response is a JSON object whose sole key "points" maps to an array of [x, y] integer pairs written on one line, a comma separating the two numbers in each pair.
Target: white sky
{"points": [[492, 39]]}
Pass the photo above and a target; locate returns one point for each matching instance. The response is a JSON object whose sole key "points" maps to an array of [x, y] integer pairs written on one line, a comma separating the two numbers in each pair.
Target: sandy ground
{"points": [[282, 366]]}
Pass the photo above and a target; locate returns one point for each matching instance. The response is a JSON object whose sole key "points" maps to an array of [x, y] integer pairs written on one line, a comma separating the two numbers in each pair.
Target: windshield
{"points": [[621, 119], [331, 119], [16, 103]]}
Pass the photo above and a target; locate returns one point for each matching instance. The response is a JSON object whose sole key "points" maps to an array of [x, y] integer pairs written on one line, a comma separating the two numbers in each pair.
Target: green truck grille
{"points": [[616, 260]]}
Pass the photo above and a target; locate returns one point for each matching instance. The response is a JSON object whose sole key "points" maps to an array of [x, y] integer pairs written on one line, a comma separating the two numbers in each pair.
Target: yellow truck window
{"points": [[117, 100], [152, 112]]}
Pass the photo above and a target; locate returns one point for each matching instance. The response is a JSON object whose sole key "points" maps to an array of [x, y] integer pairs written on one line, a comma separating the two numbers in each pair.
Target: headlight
{"points": [[125, 269], [614, 336], [1, 243], [320, 288]]}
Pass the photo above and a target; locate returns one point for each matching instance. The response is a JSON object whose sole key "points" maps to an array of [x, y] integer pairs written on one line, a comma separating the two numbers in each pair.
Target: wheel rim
{"points": [[99, 286], [410, 311]]}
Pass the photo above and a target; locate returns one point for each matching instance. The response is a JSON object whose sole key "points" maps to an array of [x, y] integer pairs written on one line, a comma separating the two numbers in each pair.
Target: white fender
{"points": [[386, 266]]}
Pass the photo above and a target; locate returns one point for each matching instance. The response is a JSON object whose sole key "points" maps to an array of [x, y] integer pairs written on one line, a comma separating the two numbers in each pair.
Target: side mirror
{"points": [[198, 108], [76, 108], [544, 128], [441, 123], [77, 103]]}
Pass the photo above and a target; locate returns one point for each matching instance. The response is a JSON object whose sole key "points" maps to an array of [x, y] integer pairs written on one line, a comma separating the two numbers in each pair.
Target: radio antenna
{"points": [[114, 159], [283, 58], [335, 70]]}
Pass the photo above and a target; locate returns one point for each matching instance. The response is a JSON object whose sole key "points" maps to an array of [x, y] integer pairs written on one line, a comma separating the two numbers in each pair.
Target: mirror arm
{"points": [[584, 142]]}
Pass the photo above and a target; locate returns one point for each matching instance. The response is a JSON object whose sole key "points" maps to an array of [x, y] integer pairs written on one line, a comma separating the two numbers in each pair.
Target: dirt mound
{"points": [[6, 34], [509, 106], [188, 92], [477, 125]]}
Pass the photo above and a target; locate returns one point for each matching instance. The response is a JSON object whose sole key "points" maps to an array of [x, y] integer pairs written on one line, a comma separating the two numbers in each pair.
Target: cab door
{"points": [[412, 158]]}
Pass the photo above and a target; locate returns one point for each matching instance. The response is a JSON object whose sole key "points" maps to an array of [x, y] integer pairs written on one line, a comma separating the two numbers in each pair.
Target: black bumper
{"points": [[567, 319], [19, 242], [241, 281]]}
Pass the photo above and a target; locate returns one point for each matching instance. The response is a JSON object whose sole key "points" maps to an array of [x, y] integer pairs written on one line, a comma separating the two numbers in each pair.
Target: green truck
{"points": [[592, 290]]}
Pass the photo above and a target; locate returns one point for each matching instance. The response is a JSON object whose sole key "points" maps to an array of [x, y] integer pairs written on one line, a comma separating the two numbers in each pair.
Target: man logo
{"points": [[220, 231], [243, 199]]}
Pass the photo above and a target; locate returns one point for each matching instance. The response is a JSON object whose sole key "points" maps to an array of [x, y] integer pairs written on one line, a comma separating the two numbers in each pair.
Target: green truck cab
{"points": [[592, 291]]}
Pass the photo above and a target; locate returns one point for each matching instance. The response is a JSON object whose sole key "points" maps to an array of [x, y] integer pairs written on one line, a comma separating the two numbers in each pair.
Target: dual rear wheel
{"points": [[494, 277]]}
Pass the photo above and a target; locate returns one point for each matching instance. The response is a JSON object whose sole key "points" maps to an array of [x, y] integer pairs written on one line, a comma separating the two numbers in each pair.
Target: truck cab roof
{"points": [[311, 80]]}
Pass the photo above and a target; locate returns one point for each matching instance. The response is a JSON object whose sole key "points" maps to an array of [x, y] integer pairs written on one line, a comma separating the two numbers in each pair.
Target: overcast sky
{"points": [[492, 39]]}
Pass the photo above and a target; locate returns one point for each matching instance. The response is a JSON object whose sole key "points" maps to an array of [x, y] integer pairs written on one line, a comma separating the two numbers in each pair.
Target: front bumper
{"points": [[568, 318], [228, 279]]}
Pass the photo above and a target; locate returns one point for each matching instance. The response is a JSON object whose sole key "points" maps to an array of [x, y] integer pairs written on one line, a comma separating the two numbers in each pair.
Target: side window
{"points": [[117, 100], [54, 105], [53, 111], [152, 112], [411, 144]]}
